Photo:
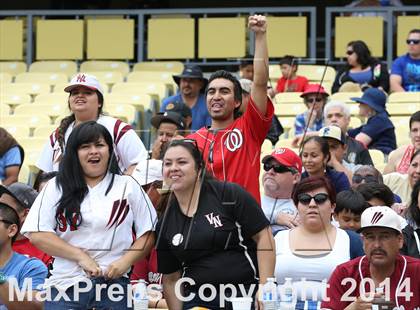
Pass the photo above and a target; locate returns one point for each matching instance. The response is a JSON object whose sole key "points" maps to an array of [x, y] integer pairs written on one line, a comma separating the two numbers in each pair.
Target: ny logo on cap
{"points": [[376, 217], [280, 151], [81, 78], [326, 130]]}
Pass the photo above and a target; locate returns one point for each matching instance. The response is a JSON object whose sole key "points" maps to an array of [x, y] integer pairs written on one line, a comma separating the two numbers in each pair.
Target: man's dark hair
{"points": [[377, 190], [289, 60], [10, 216], [248, 60], [414, 31], [350, 200], [415, 117], [237, 89]]}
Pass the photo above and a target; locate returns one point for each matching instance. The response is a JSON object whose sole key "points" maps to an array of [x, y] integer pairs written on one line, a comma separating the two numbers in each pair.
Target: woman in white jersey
{"points": [[86, 101], [309, 253], [95, 222]]}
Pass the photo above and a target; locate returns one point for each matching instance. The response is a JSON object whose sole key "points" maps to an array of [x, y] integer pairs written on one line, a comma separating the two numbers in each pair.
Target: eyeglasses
{"points": [[312, 100], [277, 168], [357, 178], [305, 199], [349, 52], [412, 41]]}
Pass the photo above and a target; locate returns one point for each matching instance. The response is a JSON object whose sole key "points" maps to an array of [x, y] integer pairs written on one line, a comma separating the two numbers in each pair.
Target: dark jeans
{"points": [[88, 300]]}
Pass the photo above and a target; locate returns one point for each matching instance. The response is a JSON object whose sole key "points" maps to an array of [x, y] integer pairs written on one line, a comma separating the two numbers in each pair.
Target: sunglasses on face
{"points": [[305, 199], [312, 100], [357, 178], [412, 41], [349, 52], [277, 168]]}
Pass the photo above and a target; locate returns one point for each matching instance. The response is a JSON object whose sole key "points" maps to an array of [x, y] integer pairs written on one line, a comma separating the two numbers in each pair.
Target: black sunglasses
{"points": [[305, 199], [349, 53], [312, 100], [412, 41], [357, 178], [277, 168]]}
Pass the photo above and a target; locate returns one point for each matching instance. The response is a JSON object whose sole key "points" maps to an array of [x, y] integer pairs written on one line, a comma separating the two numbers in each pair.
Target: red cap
{"points": [[286, 157], [314, 89]]}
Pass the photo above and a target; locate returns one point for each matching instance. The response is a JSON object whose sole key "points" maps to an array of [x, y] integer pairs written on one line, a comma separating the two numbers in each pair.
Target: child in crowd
{"points": [[348, 210], [290, 82]]}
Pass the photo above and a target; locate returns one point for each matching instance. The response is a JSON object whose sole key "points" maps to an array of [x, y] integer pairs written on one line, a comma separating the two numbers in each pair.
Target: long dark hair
{"points": [[413, 210], [70, 177], [364, 57], [65, 122]]}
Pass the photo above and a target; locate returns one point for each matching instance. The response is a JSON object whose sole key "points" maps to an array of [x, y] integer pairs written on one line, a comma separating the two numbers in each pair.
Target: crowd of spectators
{"points": [[106, 210]]}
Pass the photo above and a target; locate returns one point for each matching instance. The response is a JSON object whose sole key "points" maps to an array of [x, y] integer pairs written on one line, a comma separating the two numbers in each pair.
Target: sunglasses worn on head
{"points": [[412, 41], [312, 100], [277, 168], [181, 141], [349, 53], [305, 199], [357, 178]]}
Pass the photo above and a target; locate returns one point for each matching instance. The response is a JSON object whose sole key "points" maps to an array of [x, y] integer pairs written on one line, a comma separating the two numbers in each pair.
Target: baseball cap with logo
{"points": [[333, 132], [179, 107], [286, 157], [24, 194], [380, 216], [86, 80], [170, 117]]}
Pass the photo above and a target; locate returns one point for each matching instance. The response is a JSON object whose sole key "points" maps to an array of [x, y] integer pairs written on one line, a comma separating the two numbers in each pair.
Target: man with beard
{"points": [[191, 85], [231, 146], [381, 277]]}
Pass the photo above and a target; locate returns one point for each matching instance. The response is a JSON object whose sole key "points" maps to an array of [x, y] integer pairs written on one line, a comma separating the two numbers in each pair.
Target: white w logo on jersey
{"points": [[214, 220]]}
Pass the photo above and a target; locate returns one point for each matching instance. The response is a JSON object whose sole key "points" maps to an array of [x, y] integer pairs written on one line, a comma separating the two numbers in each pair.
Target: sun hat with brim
{"points": [[314, 89], [22, 193], [171, 117], [374, 98], [191, 72], [380, 216], [86, 80]]}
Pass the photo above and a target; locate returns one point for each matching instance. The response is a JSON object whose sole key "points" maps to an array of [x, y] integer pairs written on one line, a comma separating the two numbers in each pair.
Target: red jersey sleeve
{"points": [[257, 124]]}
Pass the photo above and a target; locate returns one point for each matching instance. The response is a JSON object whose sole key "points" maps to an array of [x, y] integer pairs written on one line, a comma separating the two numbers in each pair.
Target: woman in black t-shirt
{"points": [[212, 234]]}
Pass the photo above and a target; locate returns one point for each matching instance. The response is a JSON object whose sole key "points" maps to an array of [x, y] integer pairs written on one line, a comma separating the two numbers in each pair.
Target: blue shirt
{"points": [[11, 158], [409, 70], [337, 179], [381, 130], [20, 267], [362, 76], [300, 124], [200, 115]]}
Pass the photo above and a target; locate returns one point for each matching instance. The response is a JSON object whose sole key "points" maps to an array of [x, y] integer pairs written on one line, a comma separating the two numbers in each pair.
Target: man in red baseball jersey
{"points": [[231, 146]]}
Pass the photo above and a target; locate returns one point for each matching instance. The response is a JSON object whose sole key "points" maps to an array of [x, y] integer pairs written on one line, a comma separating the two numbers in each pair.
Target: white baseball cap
{"points": [[148, 171], [84, 79], [380, 216], [333, 132]]}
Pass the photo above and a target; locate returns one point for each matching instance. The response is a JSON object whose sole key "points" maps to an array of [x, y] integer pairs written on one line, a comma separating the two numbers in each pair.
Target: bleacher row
{"points": [[33, 102]]}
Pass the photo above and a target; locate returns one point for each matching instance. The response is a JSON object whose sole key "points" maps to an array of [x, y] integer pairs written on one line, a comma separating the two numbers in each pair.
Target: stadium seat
{"points": [[345, 96], [266, 148], [125, 112], [44, 131], [288, 124], [210, 40], [164, 41], [12, 100], [59, 88], [32, 89], [400, 121], [404, 25], [104, 65], [284, 143], [377, 156], [18, 131], [52, 98], [69, 68], [314, 73], [51, 110], [355, 122], [5, 77], [4, 109], [12, 67], [151, 76], [24, 173], [50, 78], [166, 66], [108, 78], [99, 33], [30, 121], [140, 102], [32, 144], [156, 90], [401, 109], [288, 98], [405, 97], [288, 110], [11, 39]]}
